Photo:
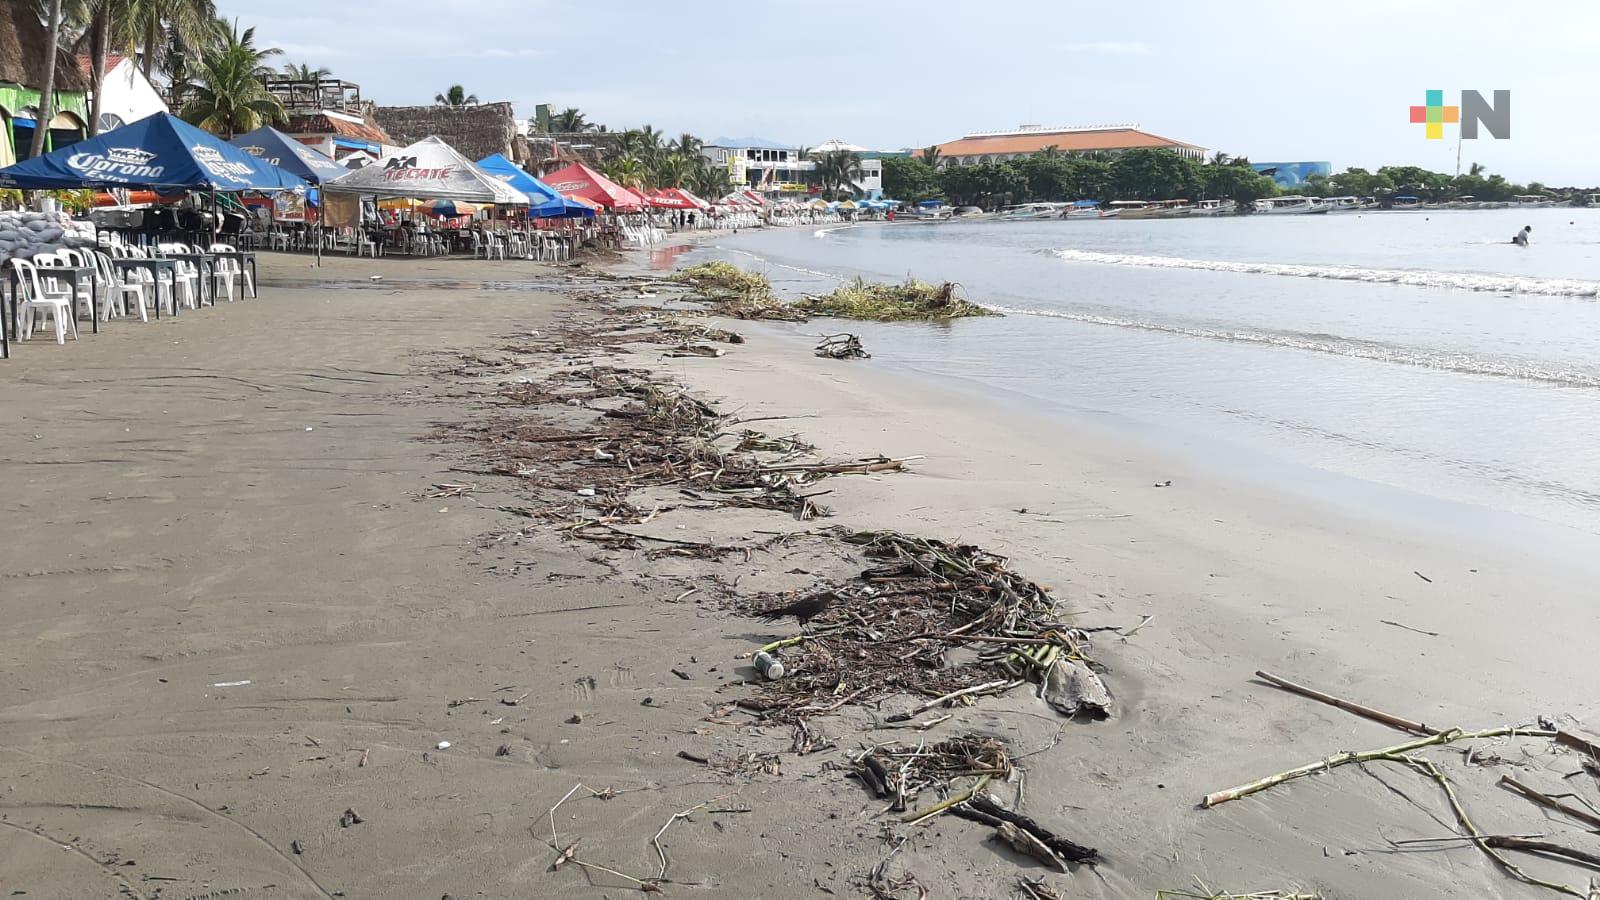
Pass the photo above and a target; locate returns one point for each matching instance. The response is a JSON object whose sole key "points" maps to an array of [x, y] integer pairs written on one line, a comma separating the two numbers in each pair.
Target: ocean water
{"points": [[1416, 353]]}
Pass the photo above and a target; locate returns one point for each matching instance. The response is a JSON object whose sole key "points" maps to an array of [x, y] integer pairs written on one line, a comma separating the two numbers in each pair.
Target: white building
{"points": [[126, 96], [771, 167]]}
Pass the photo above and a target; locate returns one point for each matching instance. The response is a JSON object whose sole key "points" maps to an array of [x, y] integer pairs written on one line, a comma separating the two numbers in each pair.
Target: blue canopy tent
{"points": [[275, 148], [160, 152], [547, 202]]}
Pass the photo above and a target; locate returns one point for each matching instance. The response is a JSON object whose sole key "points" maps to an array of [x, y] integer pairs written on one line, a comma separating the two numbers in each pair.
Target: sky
{"points": [[1285, 81]]}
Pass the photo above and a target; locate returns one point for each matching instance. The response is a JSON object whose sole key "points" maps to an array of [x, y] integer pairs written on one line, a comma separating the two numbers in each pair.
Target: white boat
{"points": [[1214, 208], [1026, 212], [1151, 209], [1536, 201], [1405, 201], [1290, 206], [1087, 209], [1343, 204]]}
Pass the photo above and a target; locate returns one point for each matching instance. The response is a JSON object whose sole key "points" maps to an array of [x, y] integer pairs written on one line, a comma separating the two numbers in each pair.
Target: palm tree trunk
{"points": [[47, 93], [99, 43], [151, 27]]}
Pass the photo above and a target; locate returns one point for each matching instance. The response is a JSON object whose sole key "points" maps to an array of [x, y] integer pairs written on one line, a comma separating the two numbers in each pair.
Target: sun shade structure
{"points": [[675, 198], [430, 169], [272, 146], [578, 180], [546, 201], [157, 153]]}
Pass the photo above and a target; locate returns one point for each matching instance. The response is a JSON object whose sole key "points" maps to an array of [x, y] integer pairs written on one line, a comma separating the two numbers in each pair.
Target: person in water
{"points": [[1521, 237]]}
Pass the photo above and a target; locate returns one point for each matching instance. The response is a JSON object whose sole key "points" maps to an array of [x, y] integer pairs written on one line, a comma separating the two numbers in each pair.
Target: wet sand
{"points": [[240, 495]]}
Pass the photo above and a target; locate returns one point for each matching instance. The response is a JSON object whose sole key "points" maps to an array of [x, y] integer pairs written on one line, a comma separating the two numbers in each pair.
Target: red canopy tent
{"points": [[674, 198], [583, 183]]}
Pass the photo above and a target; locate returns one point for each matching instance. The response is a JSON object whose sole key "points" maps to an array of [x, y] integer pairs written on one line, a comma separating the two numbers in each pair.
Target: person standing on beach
{"points": [[1522, 237]]}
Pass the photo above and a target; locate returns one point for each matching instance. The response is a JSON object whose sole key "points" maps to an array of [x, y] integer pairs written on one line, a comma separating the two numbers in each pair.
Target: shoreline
{"points": [[285, 514]]}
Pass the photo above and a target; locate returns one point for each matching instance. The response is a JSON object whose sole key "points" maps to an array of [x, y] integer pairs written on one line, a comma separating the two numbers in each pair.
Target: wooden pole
{"points": [[1364, 711]]}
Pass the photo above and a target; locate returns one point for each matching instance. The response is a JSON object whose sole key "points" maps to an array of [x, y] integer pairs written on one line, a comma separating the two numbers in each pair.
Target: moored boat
{"points": [[1290, 206], [1214, 208], [1026, 212]]}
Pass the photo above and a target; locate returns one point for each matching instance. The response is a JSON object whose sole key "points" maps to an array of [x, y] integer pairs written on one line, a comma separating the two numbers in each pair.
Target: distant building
{"points": [[126, 96], [771, 167], [23, 66], [329, 116], [1293, 175], [1001, 146]]}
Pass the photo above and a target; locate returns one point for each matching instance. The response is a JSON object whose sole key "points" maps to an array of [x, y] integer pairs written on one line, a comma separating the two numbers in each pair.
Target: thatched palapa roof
{"points": [[477, 131], [22, 46]]}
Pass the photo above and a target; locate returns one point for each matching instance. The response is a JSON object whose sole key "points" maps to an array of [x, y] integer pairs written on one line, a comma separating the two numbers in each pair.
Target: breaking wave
{"points": [[1430, 358], [1467, 281]]}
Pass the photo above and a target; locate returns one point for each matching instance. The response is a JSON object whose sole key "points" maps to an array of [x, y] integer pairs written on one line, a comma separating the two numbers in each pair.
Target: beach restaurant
{"points": [[147, 259], [428, 171]]}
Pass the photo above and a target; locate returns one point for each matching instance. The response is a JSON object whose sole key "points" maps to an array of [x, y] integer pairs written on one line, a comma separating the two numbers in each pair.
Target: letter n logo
{"points": [[1495, 117]]}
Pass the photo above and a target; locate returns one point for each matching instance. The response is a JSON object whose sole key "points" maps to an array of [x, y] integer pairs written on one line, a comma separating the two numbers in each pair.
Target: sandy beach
{"points": [[257, 588]]}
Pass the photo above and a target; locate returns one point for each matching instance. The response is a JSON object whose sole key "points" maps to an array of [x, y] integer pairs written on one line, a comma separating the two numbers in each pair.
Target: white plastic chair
{"points": [[37, 298], [235, 268], [119, 288], [186, 274]]}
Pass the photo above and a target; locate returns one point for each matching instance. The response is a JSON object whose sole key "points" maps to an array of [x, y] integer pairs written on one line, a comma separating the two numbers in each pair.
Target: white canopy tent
{"points": [[430, 169]]}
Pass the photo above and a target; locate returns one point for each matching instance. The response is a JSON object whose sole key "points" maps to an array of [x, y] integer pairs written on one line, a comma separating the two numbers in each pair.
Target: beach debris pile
{"points": [[899, 774], [1202, 891], [629, 432], [842, 346], [747, 295], [890, 632], [1407, 756], [910, 300]]}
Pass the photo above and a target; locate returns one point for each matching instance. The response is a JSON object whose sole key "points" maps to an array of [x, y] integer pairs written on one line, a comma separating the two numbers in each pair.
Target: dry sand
{"points": [[239, 495]]}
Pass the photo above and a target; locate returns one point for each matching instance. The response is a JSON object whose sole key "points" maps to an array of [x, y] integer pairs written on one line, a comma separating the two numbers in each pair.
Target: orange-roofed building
{"points": [[1000, 146]]}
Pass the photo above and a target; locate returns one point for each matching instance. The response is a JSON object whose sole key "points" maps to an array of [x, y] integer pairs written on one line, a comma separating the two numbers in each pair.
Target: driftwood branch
{"points": [[1367, 712], [1549, 802], [1350, 756]]}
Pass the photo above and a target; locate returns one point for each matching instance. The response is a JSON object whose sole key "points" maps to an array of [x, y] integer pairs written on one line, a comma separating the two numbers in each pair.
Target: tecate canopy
{"points": [[430, 169]]}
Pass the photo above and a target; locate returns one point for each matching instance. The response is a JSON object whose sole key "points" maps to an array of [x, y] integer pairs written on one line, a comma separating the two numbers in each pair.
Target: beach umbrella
{"points": [[159, 152], [449, 209]]}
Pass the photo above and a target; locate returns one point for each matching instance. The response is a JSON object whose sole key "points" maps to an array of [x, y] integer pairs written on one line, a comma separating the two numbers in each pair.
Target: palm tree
{"points": [[687, 144], [569, 121], [455, 96], [1053, 151], [626, 170], [304, 72], [228, 97], [166, 30], [839, 169], [673, 170], [47, 92], [709, 181], [932, 156]]}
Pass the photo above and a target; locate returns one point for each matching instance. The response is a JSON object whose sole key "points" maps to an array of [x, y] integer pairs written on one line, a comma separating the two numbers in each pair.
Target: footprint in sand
{"points": [[620, 675], [583, 688]]}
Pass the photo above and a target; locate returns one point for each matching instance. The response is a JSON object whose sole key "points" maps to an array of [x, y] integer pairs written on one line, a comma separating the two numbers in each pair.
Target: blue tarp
{"points": [[547, 202], [275, 148], [160, 152]]}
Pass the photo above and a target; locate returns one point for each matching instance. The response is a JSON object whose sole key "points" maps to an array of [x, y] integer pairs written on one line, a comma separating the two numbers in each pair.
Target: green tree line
{"points": [[1141, 174], [1158, 174]]}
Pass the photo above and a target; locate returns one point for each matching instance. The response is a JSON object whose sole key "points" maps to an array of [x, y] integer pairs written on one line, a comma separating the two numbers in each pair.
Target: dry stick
{"points": [[1346, 705], [1578, 742], [1511, 842], [1426, 767], [912, 818], [1350, 756], [675, 817], [1582, 815], [1003, 683]]}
